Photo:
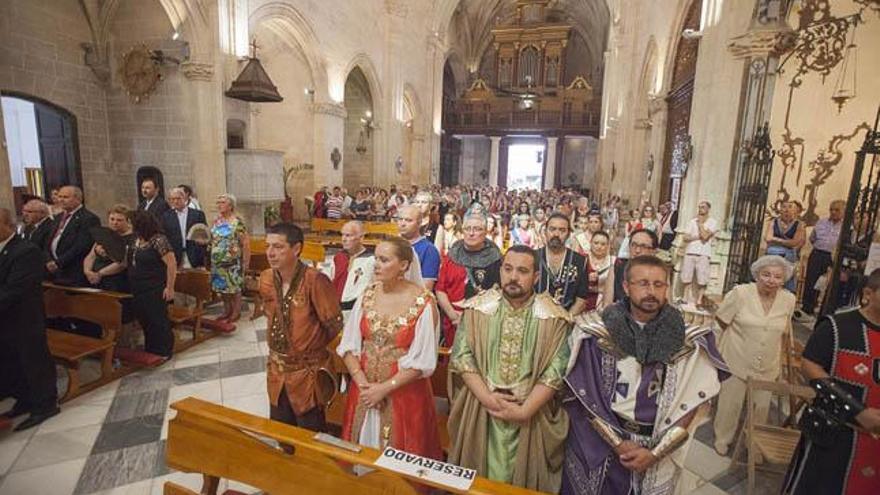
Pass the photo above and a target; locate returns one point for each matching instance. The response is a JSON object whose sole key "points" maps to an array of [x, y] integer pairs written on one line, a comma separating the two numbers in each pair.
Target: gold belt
{"points": [[299, 361]]}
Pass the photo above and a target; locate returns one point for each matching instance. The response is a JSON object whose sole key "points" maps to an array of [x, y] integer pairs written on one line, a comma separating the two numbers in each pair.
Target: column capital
{"points": [[330, 108], [764, 42], [495, 139], [198, 71], [552, 139]]}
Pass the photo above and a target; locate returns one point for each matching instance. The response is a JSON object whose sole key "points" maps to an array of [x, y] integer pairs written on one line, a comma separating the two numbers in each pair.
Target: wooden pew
{"points": [[329, 232], [224, 443], [196, 284], [69, 349], [312, 252]]}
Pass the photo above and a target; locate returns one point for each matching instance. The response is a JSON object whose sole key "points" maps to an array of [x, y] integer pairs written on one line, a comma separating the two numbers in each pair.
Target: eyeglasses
{"points": [[640, 245], [644, 284], [473, 230]]}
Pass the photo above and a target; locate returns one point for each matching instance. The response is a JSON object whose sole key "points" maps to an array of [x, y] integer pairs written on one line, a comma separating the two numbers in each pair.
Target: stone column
{"points": [[329, 133], [493, 160], [437, 58], [208, 132], [6, 200], [550, 167]]}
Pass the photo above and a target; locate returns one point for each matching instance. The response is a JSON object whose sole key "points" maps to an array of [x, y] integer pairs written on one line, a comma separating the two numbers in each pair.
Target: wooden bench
{"points": [[196, 284], [329, 232], [312, 252], [219, 442], [70, 349]]}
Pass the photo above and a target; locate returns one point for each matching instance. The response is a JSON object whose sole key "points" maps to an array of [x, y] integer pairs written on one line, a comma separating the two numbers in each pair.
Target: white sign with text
{"points": [[442, 473]]}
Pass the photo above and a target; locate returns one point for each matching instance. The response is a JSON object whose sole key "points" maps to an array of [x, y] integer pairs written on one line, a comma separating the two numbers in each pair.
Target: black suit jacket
{"points": [[73, 246], [26, 368], [40, 235], [194, 252], [21, 294], [158, 207]]}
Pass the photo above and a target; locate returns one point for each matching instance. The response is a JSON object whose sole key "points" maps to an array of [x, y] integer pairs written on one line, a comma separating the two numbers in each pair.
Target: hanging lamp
{"points": [[254, 84]]}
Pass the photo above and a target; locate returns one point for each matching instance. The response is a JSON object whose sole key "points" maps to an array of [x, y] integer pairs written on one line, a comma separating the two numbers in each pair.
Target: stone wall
{"points": [[155, 131], [816, 142], [40, 56]]}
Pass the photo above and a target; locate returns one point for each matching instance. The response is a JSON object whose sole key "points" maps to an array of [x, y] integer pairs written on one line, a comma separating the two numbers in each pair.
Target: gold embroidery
{"points": [[510, 344]]}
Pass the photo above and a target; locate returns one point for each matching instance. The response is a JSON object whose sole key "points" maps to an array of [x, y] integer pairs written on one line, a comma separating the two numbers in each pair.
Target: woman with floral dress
{"points": [[230, 257]]}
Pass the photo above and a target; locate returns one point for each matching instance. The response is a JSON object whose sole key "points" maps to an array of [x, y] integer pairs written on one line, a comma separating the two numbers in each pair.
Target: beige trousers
{"points": [[730, 406]]}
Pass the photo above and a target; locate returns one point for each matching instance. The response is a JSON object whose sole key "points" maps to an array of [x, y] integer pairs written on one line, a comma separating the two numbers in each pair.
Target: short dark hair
{"points": [[645, 260], [655, 241], [873, 280], [150, 179], [188, 190], [523, 249], [291, 233], [145, 225], [560, 216]]}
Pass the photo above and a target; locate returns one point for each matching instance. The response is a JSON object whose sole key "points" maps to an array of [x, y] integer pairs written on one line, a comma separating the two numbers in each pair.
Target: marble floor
{"points": [[112, 440]]}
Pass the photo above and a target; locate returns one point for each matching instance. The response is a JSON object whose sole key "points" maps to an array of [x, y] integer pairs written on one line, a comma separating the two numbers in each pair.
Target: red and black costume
{"points": [[845, 461]]}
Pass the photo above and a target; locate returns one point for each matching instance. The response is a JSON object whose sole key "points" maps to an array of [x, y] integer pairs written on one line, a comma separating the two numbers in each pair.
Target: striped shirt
{"points": [[825, 234]]}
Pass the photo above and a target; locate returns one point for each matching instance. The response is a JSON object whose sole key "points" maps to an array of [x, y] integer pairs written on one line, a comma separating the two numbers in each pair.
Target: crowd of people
{"points": [[138, 251], [572, 369]]}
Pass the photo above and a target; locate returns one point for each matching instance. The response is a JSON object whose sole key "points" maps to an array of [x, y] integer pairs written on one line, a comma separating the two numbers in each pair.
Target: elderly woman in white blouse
{"points": [[754, 319]]}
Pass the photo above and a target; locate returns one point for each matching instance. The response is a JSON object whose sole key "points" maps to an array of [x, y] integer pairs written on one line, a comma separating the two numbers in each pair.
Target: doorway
{"points": [[525, 166], [41, 145]]}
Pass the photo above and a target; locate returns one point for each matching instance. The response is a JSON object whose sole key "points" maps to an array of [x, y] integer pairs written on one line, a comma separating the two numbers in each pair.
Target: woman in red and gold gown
{"points": [[391, 355]]}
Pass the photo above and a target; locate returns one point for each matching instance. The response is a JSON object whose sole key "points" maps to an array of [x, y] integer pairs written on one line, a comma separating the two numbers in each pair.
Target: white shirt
{"points": [[147, 203], [699, 247], [181, 220], [57, 236]]}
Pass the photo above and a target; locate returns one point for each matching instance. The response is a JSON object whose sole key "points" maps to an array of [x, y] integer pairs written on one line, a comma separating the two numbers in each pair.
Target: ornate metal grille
{"points": [[859, 225], [749, 207]]}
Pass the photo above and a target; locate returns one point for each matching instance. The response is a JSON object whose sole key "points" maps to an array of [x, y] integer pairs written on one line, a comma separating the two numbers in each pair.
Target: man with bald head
{"points": [[27, 372], [352, 269], [409, 221], [37, 223], [71, 240]]}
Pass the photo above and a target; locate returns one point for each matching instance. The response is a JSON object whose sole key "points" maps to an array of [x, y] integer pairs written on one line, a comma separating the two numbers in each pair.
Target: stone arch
{"points": [[359, 138], [188, 16], [363, 62], [287, 22]]}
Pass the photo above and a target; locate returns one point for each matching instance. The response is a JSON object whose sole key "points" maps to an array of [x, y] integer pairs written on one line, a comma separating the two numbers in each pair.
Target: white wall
{"points": [[21, 138]]}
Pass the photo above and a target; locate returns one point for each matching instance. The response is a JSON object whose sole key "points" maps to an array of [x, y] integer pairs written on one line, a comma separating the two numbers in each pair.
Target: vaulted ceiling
{"points": [[470, 29]]}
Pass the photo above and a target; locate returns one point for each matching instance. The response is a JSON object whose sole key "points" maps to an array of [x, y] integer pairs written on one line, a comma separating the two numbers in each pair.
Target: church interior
{"points": [[750, 106]]}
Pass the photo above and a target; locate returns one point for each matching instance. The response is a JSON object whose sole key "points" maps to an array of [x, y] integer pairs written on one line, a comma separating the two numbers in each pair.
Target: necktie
{"points": [[61, 225]]}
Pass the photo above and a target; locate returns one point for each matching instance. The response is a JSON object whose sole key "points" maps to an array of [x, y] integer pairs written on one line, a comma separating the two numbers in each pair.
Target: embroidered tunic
{"points": [[407, 419], [511, 340], [847, 346], [569, 283], [302, 322]]}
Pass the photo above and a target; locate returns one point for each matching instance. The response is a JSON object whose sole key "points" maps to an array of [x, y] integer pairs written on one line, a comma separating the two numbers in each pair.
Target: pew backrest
{"points": [[224, 443], [92, 307]]}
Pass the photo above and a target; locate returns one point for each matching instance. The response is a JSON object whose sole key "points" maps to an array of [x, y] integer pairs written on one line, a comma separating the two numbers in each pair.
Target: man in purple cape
{"points": [[637, 377]]}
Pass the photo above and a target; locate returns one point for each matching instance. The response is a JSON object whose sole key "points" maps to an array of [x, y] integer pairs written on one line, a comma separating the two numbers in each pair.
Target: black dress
{"points": [[119, 281], [147, 277]]}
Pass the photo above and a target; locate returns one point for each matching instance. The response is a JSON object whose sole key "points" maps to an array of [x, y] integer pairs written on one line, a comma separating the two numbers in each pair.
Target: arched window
{"points": [[529, 62]]}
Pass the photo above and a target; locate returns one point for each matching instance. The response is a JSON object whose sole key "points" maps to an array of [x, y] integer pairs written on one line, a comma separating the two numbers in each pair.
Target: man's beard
{"points": [[649, 299], [514, 291], [555, 243]]}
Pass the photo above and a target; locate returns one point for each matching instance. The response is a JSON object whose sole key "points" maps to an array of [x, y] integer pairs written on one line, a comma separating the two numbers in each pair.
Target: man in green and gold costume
{"points": [[508, 361]]}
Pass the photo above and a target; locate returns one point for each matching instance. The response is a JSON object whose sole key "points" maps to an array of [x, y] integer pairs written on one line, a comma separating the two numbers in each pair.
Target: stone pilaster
{"points": [[329, 118], [493, 160]]}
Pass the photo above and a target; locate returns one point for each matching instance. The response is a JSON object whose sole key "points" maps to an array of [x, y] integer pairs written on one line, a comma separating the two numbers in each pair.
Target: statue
{"points": [[335, 157]]}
